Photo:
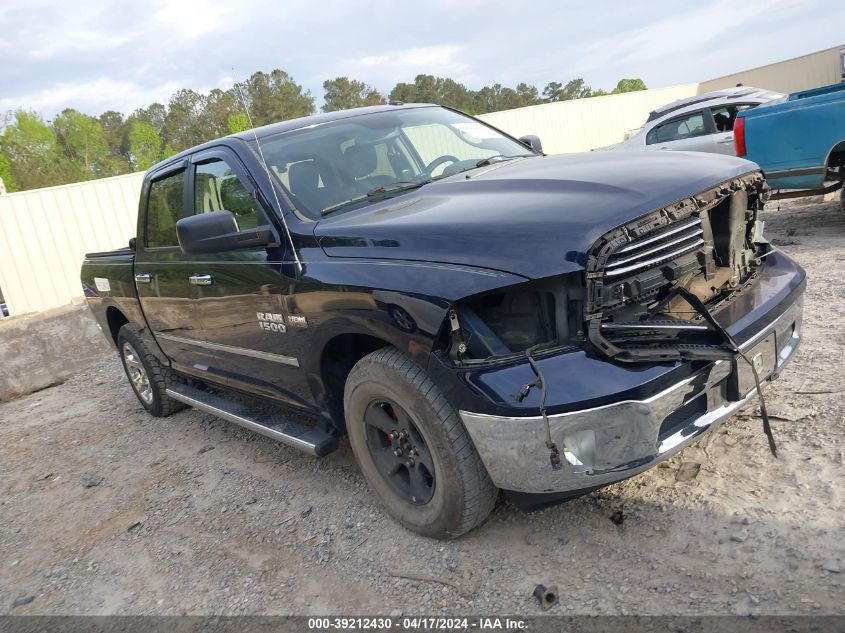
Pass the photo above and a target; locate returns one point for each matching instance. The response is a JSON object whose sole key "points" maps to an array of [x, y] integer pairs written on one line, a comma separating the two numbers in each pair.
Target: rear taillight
{"points": [[739, 136]]}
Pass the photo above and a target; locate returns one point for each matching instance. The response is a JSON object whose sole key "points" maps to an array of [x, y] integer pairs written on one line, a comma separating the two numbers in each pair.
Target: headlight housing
{"points": [[507, 321]]}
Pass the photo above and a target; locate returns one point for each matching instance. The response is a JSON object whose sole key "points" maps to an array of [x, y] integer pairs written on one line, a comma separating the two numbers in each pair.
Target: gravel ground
{"points": [[104, 509]]}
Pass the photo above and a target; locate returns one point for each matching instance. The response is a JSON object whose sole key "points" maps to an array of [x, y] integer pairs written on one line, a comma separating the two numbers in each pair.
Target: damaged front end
{"points": [[646, 281], [506, 323], [677, 321]]}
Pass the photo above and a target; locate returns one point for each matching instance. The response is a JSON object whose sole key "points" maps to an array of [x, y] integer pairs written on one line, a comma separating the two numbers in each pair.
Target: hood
{"points": [[534, 217]]}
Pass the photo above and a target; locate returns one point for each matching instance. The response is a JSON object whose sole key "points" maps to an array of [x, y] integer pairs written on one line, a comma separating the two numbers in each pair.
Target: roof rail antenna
{"points": [[395, 102], [269, 178]]}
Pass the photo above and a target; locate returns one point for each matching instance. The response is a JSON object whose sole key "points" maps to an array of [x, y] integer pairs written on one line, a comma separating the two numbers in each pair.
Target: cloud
{"points": [[113, 54], [193, 18], [91, 96], [686, 31], [445, 60]]}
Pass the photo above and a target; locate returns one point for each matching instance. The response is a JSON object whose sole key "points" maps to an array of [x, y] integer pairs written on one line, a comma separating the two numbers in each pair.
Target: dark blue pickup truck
{"points": [[472, 314], [798, 140]]}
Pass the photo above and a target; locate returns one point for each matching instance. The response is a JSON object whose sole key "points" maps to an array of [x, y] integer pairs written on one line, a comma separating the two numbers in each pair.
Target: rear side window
{"points": [[725, 116], [678, 129], [165, 206], [218, 188]]}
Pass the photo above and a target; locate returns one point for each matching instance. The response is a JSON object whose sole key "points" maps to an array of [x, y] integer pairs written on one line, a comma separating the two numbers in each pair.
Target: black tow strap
{"points": [[698, 305]]}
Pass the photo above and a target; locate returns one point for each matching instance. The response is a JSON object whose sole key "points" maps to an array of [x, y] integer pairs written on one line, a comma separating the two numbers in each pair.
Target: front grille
{"points": [[655, 248], [699, 243]]}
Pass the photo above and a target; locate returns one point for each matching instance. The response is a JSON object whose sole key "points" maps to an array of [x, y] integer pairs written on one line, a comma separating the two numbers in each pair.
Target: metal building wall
{"points": [[800, 73], [584, 124], [45, 233]]}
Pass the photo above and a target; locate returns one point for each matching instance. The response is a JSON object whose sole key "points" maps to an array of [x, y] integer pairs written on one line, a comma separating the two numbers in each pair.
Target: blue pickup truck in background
{"points": [[798, 140]]}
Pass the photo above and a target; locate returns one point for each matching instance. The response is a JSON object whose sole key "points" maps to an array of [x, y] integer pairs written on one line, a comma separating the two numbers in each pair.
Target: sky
{"points": [[121, 55]]}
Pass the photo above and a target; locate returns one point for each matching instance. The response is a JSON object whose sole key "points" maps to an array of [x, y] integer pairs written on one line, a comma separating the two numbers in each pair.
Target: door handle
{"points": [[143, 278], [201, 280], [726, 141]]}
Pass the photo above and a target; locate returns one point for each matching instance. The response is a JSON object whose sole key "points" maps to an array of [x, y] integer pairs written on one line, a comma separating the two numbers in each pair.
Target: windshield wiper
{"points": [[396, 187], [377, 193], [499, 158]]}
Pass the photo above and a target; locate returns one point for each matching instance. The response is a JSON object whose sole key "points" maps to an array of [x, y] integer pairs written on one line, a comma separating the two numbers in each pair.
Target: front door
{"points": [[688, 132], [243, 295], [161, 271]]}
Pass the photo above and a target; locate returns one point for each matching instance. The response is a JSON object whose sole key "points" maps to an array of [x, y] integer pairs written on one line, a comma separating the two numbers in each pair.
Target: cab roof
{"points": [[325, 117]]}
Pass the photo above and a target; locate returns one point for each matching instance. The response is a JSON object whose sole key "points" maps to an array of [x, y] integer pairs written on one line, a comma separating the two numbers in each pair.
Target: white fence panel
{"points": [[45, 233], [584, 124]]}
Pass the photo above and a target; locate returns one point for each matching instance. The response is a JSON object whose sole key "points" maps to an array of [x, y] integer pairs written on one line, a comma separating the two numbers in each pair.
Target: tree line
{"points": [[73, 146]]}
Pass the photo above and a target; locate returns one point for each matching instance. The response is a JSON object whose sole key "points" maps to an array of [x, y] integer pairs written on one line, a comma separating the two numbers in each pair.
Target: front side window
{"points": [[349, 162], [218, 188], [165, 206], [678, 129]]}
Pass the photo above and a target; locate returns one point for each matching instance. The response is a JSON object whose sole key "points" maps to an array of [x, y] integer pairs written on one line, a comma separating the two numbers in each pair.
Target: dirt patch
{"points": [[172, 527]]}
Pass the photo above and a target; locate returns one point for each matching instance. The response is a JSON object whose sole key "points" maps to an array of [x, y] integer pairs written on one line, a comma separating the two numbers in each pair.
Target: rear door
{"points": [[245, 296], [691, 131], [723, 124], [161, 269]]}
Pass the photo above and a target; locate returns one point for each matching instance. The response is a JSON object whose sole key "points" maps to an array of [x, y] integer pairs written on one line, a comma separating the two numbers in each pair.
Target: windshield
{"points": [[350, 162]]}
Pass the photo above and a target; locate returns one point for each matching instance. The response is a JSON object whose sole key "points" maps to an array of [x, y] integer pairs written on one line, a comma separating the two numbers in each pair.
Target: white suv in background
{"points": [[703, 123]]}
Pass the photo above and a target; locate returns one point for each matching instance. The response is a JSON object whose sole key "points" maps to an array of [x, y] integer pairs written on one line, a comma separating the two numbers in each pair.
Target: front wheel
{"points": [[842, 198], [413, 449]]}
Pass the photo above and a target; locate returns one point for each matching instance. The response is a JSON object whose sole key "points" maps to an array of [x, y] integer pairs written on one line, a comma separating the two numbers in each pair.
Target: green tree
{"points": [[83, 143], [184, 124], [629, 85], [574, 89], [6, 173], [155, 114], [116, 132], [276, 97], [219, 106], [237, 122], [145, 145], [342, 93], [431, 89], [552, 91], [528, 94], [33, 152]]}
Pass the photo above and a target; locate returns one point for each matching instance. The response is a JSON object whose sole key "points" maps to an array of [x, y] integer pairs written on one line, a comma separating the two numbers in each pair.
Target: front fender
{"points": [[401, 302]]}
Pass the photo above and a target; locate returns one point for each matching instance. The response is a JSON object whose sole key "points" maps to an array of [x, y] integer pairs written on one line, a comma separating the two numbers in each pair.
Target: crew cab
{"points": [[474, 315], [798, 140]]}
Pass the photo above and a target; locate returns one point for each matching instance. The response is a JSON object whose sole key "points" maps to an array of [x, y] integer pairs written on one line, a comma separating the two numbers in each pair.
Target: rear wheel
{"points": [[413, 449], [148, 377]]}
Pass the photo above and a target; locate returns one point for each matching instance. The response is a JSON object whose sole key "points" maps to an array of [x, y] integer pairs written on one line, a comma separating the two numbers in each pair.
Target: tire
{"points": [[387, 388], [147, 376], [842, 198]]}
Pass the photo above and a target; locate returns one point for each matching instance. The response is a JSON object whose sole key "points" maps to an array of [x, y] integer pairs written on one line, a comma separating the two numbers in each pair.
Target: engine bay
{"points": [[652, 284]]}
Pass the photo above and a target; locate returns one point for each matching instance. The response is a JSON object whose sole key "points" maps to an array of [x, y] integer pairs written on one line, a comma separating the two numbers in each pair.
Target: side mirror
{"points": [[532, 141], [217, 231]]}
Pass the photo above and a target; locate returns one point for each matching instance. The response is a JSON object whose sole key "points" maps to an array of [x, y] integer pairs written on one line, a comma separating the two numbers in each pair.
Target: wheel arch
{"points": [[115, 319], [836, 156], [337, 358]]}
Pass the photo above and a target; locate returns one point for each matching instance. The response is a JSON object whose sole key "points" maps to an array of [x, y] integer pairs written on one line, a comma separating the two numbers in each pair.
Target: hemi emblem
{"points": [[297, 320]]}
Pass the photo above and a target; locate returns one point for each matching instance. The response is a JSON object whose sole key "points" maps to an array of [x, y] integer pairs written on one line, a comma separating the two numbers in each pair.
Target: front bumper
{"points": [[609, 443]]}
